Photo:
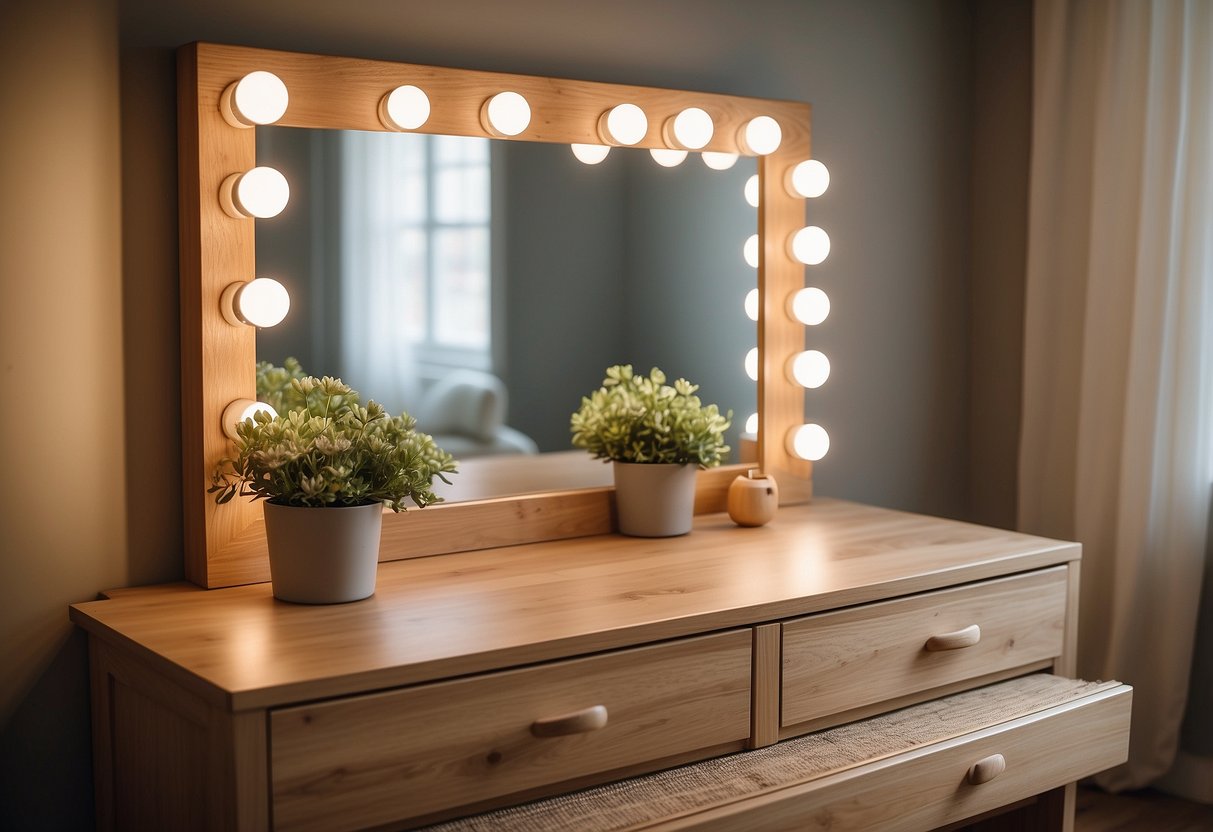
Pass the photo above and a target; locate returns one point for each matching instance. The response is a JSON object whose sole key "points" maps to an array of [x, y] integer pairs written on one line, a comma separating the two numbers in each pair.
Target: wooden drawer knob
{"points": [[985, 770], [954, 641], [578, 722]]}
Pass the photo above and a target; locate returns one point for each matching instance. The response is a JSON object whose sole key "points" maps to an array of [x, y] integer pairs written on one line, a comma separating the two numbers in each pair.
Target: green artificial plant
{"points": [[636, 418]]}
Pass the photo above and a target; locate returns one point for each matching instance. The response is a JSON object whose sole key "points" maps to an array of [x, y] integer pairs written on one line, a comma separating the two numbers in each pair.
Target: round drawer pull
{"points": [[954, 641], [578, 722], [985, 770]]}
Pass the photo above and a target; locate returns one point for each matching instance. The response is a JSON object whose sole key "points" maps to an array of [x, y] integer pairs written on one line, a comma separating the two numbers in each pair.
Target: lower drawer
{"points": [[381, 758]]}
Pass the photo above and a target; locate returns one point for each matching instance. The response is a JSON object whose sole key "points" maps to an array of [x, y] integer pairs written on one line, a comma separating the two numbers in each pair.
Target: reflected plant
{"points": [[635, 418], [275, 389], [330, 451]]}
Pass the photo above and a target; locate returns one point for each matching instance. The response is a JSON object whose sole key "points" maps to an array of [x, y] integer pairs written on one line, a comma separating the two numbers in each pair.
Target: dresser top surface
{"points": [[451, 615]]}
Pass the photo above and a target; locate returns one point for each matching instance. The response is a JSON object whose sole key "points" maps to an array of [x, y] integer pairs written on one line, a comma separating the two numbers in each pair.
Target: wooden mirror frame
{"points": [[225, 545]]}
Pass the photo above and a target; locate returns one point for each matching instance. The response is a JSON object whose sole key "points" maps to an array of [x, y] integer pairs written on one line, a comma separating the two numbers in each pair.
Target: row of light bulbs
{"points": [[261, 98]]}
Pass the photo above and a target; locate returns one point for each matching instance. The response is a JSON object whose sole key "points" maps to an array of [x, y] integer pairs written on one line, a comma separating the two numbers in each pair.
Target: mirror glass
{"points": [[484, 286]]}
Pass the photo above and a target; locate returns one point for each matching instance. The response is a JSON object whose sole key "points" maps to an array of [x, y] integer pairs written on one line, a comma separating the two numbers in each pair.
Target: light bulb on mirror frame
{"points": [[623, 124], [810, 245], [751, 304], [258, 98], [810, 442], [749, 251], [505, 114], [261, 302], [807, 180], [760, 136], [690, 129], [239, 411], [404, 108], [751, 364], [810, 369], [751, 191], [667, 158], [719, 161], [810, 306], [260, 193]]}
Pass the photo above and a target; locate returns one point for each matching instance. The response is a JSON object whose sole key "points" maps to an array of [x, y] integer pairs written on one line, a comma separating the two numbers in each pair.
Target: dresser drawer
{"points": [[374, 759], [842, 661]]}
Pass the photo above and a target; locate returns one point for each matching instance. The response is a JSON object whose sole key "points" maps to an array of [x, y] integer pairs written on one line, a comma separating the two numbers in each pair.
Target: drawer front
{"points": [[374, 759], [838, 661]]}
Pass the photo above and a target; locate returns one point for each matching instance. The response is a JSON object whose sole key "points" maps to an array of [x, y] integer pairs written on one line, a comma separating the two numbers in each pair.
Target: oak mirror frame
{"points": [[225, 545]]}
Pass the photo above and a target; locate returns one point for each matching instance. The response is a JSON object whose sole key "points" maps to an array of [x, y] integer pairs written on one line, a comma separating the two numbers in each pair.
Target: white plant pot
{"points": [[654, 500], [323, 555]]}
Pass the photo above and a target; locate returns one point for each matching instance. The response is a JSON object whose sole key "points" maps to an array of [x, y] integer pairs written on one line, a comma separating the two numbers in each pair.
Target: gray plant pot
{"points": [[654, 500], [323, 555]]}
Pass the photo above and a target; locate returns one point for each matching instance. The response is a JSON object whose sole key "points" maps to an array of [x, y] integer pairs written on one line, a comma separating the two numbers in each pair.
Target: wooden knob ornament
{"points": [[753, 499]]}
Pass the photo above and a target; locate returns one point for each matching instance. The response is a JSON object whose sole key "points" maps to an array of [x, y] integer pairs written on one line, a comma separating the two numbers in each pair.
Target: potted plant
{"points": [[657, 436], [325, 468]]}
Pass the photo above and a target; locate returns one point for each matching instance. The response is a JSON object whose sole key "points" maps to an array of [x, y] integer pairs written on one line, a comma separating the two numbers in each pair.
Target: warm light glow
{"points": [[720, 161], [505, 114], [808, 179], [751, 364], [809, 368], [624, 124], [261, 302], [691, 129], [668, 158], [751, 423], [809, 442], [241, 410], [257, 98], [751, 304], [809, 306], [404, 108], [751, 191], [591, 154], [261, 192], [760, 136], [750, 251], [810, 245]]}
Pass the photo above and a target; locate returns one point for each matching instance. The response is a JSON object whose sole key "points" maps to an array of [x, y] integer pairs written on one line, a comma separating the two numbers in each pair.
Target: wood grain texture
{"points": [[764, 710], [381, 758], [226, 544], [240, 648], [841, 660]]}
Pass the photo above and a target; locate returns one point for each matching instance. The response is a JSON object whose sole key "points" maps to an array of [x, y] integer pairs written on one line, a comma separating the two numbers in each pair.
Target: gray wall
{"points": [[96, 342]]}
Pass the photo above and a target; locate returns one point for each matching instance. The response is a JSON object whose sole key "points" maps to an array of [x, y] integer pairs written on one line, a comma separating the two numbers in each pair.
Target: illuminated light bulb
{"points": [[760, 136], [809, 369], [751, 423], [751, 191], [404, 108], [808, 179], [505, 114], [261, 192], [624, 124], [240, 411], [751, 364], [810, 245], [751, 305], [591, 154], [720, 161], [261, 302], [668, 158], [691, 129], [809, 442], [257, 98], [809, 306], [750, 251]]}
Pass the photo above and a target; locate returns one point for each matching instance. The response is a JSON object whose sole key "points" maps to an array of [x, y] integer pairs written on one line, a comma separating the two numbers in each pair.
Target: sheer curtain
{"points": [[1118, 366]]}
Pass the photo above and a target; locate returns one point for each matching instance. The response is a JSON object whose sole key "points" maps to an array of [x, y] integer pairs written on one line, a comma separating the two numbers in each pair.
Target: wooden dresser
{"points": [[481, 679]]}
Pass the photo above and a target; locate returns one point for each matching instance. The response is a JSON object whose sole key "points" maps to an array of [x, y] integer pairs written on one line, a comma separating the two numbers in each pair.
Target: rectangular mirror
{"points": [[225, 545]]}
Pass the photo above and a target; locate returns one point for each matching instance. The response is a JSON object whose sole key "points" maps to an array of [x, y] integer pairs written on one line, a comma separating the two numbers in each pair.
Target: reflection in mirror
{"points": [[447, 276]]}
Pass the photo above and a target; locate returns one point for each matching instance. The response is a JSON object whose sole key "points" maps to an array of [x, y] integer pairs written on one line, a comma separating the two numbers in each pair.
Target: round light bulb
{"points": [[691, 129], [505, 114], [760, 136], [261, 302], [809, 442], [751, 191], [751, 423], [257, 98], [720, 161], [404, 108], [750, 251], [242, 410], [751, 364], [809, 368], [624, 124], [591, 154], [751, 304], [810, 306], [261, 192], [808, 179], [668, 158], [810, 245]]}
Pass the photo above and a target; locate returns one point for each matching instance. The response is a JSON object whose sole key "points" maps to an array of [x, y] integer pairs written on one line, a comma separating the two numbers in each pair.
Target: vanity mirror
{"points": [[225, 544]]}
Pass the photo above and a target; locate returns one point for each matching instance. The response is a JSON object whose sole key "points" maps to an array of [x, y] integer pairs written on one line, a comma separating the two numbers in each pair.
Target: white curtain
{"points": [[1118, 365]]}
